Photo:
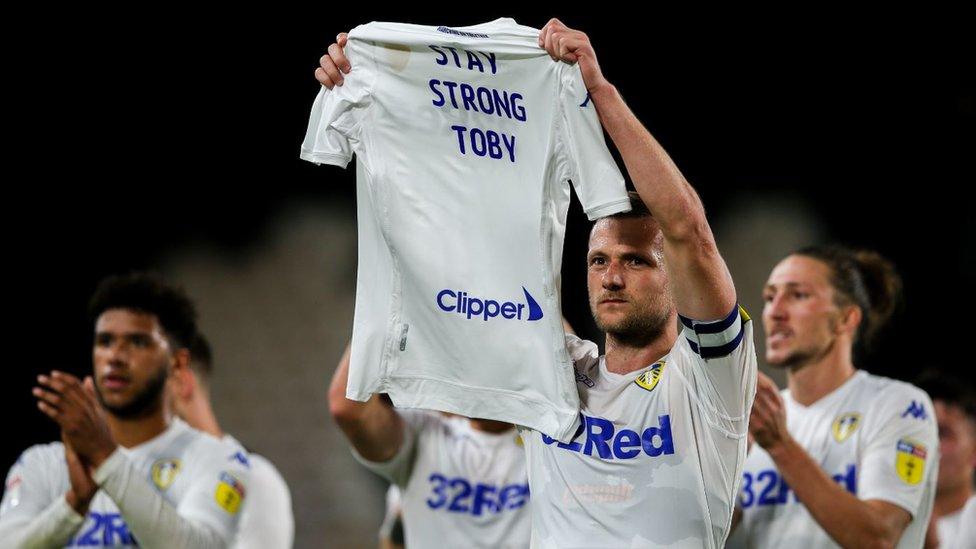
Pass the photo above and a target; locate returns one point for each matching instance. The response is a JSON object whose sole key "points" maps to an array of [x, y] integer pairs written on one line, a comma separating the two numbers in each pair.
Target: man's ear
{"points": [[851, 319], [182, 378]]}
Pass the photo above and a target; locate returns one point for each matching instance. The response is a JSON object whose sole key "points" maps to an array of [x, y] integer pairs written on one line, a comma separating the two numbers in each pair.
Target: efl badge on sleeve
{"points": [[230, 493], [648, 380], [164, 472], [910, 461], [845, 425]]}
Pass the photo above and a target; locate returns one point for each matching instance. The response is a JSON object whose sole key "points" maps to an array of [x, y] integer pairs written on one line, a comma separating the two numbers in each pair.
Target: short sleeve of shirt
{"points": [[334, 126], [28, 489], [901, 452], [220, 479], [723, 368], [398, 468], [582, 151]]}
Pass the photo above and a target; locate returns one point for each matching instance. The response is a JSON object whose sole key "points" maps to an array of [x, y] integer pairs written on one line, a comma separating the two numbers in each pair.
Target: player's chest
{"points": [[630, 422], [833, 440]]}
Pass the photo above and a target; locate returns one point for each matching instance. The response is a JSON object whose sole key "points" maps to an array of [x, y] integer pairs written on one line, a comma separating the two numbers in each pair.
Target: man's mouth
{"points": [[114, 382]]}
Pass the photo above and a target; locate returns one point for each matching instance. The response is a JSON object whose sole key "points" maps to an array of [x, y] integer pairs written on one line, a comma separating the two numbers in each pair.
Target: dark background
{"points": [[139, 133]]}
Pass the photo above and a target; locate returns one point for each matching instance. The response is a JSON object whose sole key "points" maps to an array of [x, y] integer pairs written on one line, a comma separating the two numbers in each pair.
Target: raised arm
{"points": [[374, 428], [700, 281]]}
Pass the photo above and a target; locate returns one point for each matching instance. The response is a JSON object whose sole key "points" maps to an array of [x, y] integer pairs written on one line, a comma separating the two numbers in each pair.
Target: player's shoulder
{"points": [[584, 354], [885, 391], [46, 456], [206, 451]]}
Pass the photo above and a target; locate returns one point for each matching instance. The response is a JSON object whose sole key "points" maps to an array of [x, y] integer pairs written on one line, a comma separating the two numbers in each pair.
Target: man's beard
{"points": [[144, 403], [637, 329]]}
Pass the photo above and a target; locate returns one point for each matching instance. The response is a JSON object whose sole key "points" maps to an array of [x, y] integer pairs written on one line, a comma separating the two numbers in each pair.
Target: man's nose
{"points": [[613, 278]]}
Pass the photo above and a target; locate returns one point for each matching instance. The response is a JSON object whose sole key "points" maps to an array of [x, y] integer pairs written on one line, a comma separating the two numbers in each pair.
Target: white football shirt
{"points": [[875, 436], [466, 139], [952, 528], [266, 519], [202, 477], [658, 455], [459, 487]]}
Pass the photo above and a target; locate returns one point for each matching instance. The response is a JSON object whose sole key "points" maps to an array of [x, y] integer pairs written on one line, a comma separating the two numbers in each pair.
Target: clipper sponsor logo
{"points": [[915, 410], [462, 303], [910, 460], [601, 438], [845, 425], [103, 530], [767, 487]]}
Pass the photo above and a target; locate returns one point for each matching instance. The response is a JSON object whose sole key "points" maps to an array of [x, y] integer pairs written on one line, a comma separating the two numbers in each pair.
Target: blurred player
{"points": [[391, 530], [841, 457], [657, 457], [126, 474], [955, 500], [266, 520], [462, 481]]}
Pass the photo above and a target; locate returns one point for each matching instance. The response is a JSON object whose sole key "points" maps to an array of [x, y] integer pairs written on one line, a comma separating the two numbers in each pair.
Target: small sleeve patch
{"points": [[229, 493], [910, 461]]}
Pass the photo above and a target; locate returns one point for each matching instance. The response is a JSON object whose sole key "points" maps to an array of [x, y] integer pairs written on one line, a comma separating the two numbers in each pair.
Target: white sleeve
{"points": [[205, 517], [723, 369], [398, 468], [34, 513], [267, 519], [335, 124], [901, 453], [582, 153]]}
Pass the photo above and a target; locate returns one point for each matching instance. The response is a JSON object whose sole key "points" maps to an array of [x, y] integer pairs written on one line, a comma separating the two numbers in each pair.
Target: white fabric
{"points": [[165, 509], [867, 455], [958, 530], [266, 520], [459, 487], [653, 463], [461, 244], [392, 514]]}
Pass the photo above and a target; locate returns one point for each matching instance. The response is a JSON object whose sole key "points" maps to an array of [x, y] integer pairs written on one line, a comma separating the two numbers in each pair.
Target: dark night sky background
{"points": [[143, 132]]}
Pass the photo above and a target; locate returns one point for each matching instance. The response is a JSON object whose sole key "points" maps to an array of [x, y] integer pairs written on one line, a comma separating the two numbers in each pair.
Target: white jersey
{"points": [[466, 139], [267, 520], [658, 455], [958, 530], [200, 476], [875, 436], [459, 487]]}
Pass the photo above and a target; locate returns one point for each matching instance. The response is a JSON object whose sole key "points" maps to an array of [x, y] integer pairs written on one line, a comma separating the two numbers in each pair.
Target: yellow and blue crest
{"points": [[164, 472], [910, 460], [845, 425], [649, 379]]}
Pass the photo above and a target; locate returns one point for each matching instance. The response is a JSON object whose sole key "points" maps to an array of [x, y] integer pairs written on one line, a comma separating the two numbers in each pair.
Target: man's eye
{"points": [[597, 261], [767, 297], [103, 340], [637, 261], [140, 341]]}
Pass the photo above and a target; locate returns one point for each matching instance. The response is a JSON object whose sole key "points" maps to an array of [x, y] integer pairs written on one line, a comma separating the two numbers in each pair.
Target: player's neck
{"points": [[822, 375], [948, 501], [624, 358], [129, 432], [199, 414]]}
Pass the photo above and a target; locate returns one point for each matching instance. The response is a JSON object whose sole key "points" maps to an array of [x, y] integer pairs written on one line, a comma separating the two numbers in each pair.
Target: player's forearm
{"points": [[51, 528], [151, 519], [850, 521], [672, 201]]}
